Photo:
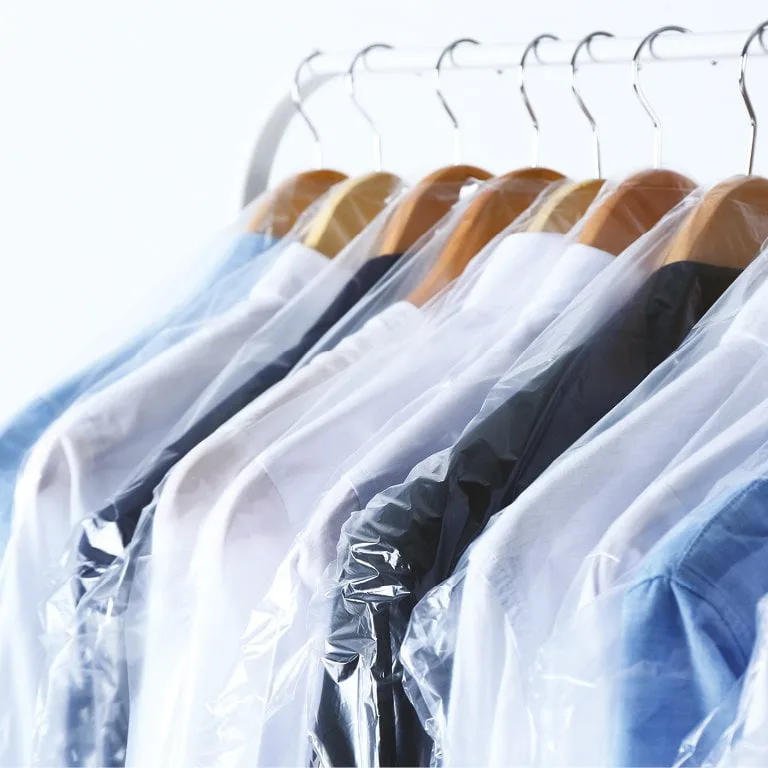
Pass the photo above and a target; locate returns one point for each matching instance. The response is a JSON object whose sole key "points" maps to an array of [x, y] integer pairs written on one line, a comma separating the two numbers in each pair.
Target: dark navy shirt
{"points": [[411, 542]]}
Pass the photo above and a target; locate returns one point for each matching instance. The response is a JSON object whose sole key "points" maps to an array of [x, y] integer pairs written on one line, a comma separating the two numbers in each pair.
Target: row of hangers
{"points": [[714, 231]]}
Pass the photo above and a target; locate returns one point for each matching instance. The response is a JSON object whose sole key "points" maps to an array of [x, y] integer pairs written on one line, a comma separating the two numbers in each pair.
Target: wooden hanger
{"points": [[640, 201], [730, 224], [351, 206], [495, 206], [634, 208], [566, 206], [727, 227], [427, 203], [279, 210], [437, 193]]}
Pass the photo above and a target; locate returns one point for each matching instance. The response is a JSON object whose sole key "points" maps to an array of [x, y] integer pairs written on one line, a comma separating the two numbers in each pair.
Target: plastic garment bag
{"points": [[270, 684], [516, 577], [438, 357], [409, 537], [66, 492], [744, 742], [198, 488], [348, 637], [671, 641]]}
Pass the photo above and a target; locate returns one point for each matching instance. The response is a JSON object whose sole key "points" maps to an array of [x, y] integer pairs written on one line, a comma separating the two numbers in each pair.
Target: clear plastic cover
{"points": [[216, 484], [476, 666], [396, 547], [73, 485]]}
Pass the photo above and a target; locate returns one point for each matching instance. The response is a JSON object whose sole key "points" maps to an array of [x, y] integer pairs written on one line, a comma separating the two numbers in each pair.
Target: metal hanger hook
{"points": [[533, 46], [648, 40], [586, 42], [448, 52], [353, 95], [757, 32], [297, 102]]}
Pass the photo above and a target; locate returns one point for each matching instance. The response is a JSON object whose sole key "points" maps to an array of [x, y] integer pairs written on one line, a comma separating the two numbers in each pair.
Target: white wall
{"points": [[126, 130]]}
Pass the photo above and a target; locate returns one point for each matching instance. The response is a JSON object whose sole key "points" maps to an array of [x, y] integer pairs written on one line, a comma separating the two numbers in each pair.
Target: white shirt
{"points": [[520, 569], [191, 491], [418, 430], [87, 456]]}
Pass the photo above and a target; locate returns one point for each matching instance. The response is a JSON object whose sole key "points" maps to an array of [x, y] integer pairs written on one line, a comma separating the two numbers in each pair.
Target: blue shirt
{"points": [[227, 283], [689, 627]]}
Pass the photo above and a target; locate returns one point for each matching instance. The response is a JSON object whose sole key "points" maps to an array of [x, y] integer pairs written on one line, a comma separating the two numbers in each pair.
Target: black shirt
{"points": [[406, 546]]}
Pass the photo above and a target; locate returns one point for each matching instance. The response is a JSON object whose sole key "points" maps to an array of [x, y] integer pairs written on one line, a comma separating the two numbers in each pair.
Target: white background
{"points": [[126, 130]]}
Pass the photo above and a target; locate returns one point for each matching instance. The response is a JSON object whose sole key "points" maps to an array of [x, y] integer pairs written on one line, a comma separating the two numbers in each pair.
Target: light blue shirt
{"points": [[229, 282], [689, 627]]}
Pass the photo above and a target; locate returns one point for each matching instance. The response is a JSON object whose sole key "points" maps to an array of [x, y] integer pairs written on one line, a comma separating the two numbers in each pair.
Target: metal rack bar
{"points": [[666, 48]]}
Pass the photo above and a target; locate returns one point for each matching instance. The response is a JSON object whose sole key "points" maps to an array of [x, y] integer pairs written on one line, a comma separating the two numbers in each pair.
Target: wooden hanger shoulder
{"points": [[279, 210], [494, 207], [727, 227], [351, 206], [428, 202], [565, 206], [634, 208]]}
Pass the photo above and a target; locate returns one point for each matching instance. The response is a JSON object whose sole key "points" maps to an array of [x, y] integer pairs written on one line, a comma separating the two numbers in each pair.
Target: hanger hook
{"points": [[648, 40], [298, 104], [586, 42], [448, 52], [757, 32], [532, 46], [353, 95]]}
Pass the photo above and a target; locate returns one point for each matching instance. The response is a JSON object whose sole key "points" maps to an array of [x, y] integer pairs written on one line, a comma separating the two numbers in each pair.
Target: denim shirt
{"points": [[20, 433], [689, 627]]}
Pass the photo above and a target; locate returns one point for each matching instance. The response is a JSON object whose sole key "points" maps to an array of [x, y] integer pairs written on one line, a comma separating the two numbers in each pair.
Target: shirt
{"points": [[411, 539], [87, 455], [248, 533], [21, 432], [191, 491], [434, 421], [111, 530]]}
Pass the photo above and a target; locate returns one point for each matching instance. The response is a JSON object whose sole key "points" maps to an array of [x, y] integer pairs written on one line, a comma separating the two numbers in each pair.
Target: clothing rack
{"points": [[667, 48]]}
